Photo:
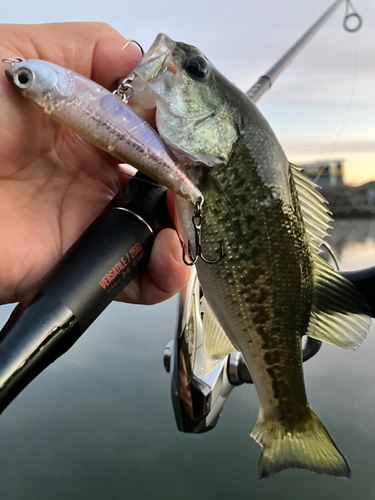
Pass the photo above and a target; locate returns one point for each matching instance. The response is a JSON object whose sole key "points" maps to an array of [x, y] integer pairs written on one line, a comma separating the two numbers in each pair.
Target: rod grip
{"points": [[112, 251]]}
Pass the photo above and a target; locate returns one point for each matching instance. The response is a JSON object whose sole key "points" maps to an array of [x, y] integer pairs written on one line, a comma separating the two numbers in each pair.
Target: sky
{"points": [[322, 107]]}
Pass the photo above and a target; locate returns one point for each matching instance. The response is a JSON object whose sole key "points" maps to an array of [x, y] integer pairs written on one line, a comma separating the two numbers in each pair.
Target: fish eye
{"points": [[197, 67], [24, 78]]}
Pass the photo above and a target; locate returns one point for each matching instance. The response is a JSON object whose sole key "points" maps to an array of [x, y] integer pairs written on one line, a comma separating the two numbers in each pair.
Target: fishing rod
{"points": [[112, 251], [264, 83]]}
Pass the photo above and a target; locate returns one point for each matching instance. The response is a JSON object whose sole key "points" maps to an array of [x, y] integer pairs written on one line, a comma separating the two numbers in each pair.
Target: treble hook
{"points": [[125, 90], [197, 223], [131, 40]]}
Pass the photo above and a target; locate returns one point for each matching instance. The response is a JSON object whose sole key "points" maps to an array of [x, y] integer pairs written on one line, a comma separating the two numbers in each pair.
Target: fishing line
{"points": [[330, 251], [353, 86], [350, 103]]}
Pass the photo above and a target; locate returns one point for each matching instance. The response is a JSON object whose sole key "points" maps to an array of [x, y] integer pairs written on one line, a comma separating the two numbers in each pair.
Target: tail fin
{"points": [[309, 446]]}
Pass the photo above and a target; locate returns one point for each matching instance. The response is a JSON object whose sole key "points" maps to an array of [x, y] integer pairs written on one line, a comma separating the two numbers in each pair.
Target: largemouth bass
{"points": [[271, 287], [101, 118]]}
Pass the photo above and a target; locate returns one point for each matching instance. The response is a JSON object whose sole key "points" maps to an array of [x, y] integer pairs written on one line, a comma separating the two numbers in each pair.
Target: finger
{"points": [[91, 49], [166, 273]]}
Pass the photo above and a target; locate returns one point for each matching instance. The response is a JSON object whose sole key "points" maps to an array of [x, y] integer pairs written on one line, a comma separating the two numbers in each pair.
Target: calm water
{"points": [[98, 424]]}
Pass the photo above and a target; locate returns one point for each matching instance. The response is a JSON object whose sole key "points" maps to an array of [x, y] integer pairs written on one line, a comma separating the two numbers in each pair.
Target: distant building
{"points": [[352, 201], [344, 201], [328, 174]]}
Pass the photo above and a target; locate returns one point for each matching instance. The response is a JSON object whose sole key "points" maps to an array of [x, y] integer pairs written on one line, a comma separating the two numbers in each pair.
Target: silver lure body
{"points": [[99, 117]]}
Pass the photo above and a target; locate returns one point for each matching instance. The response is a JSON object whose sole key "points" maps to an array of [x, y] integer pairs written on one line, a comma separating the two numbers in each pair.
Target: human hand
{"points": [[51, 186]]}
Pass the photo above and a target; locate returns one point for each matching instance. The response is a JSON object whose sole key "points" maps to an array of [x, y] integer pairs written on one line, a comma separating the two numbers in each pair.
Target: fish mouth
{"points": [[157, 60], [164, 56]]}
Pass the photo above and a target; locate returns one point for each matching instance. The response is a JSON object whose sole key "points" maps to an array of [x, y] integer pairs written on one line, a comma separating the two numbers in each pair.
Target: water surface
{"points": [[98, 424]]}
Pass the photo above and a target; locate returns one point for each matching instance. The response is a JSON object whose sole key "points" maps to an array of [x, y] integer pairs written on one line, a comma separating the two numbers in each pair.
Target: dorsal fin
{"points": [[339, 313], [314, 209]]}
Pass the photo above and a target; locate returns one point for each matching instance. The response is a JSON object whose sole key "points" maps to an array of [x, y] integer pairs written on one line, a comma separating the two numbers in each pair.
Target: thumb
{"points": [[91, 49]]}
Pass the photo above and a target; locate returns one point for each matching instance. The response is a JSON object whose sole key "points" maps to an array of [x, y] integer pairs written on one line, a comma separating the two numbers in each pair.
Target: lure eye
{"points": [[197, 67], [24, 78]]}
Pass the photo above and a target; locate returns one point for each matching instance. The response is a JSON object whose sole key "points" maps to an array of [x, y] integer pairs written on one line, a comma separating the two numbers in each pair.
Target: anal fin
{"points": [[216, 343]]}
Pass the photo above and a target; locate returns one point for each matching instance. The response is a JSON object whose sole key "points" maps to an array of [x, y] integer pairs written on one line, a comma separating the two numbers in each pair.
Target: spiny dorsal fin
{"points": [[339, 313], [314, 209], [216, 342]]}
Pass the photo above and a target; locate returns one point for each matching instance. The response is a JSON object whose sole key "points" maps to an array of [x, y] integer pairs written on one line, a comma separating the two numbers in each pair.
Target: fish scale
{"points": [[248, 280]]}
